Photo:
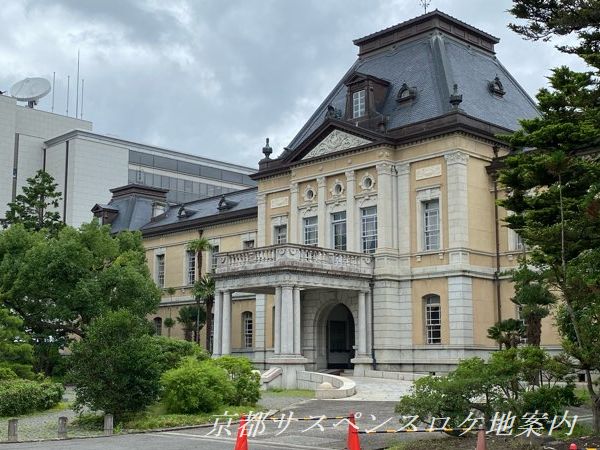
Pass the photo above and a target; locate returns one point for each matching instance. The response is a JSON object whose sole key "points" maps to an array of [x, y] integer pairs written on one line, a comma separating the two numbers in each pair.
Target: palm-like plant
{"points": [[507, 333], [169, 322], [204, 289], [191, 318], [198, 246]]}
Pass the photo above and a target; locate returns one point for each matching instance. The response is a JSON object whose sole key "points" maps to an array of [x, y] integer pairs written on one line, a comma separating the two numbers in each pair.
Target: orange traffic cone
{"points": [[481, 444], [241, 443], [353, 440]]}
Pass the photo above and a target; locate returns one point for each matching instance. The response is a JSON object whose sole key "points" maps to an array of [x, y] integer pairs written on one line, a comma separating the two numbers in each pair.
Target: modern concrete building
{"points": [[373, 240], [85, 165]]}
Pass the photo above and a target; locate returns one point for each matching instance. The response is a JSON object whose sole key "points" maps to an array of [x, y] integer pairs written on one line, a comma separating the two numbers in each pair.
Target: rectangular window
{"points": [[247, 327], [247, 245], [311, 231], [191, 267], [368, 218], [433, 320], [214, 253], [358, 104], [431, 225], [338, 230], [519, 243], [280, 234], [160, 270]]}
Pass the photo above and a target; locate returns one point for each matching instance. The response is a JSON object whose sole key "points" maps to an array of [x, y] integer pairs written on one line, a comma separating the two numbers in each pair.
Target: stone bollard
{"points": [[108, 425], [62, 427], [13, 430]]}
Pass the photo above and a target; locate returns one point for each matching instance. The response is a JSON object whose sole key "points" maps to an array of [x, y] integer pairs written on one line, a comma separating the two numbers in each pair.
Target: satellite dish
{"points": [[30, 90]]}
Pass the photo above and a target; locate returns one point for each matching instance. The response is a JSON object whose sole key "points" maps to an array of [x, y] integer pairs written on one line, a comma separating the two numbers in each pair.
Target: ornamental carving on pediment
{"points": [[334, 142]]}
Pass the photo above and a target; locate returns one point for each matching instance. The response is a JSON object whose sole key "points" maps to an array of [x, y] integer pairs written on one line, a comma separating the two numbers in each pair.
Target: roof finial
{"points": [[267, 150], [425, 4], [455, 98]]}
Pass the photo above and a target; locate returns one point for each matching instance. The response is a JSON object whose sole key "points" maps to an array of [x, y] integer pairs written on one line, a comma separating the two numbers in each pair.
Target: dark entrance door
{"points": [[340, 338]]}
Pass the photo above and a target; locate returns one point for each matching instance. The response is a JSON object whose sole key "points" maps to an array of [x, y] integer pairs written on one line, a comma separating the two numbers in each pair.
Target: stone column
{"points": [[260, 305], [261, 230], [351, 233], [321, 196], [297, 324], [362, 323], [226, 339], [293, 222], [277, 320], [217, 326], [403, 182], [460, 310], [458, 209], [287, 320], [384, 207]]}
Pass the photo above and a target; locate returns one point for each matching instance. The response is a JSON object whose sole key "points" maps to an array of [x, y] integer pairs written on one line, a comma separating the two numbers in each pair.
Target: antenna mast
{"points": [[82, 84], [425, 4], [68, 88], [77, 95], [53, 81]]}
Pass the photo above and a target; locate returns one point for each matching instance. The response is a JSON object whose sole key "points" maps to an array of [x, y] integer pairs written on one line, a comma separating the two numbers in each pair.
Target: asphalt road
{"points": [[330, 434]]}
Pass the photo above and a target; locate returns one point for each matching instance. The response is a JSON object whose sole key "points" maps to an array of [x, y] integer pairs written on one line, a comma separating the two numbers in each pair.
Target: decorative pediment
{"points": [[334, 142]]}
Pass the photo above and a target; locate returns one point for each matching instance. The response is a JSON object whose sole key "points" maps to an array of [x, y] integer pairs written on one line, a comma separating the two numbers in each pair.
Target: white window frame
{"points": [[342, 223], [431, 225], [190, 267], [247, 329], [431, 325], [280, 237], [425, 195], [359, 104], [277, 223], [363, 236], [213, 256], [314, 226], [157, 322], [159, 279]]}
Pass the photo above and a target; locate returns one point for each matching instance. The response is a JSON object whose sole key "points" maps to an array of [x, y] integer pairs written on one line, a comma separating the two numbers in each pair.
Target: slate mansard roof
{"points": [[431, 53]]}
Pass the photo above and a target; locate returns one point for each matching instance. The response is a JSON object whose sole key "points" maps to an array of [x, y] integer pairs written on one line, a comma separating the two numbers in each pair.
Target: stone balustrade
{"points": [[297, 257]]}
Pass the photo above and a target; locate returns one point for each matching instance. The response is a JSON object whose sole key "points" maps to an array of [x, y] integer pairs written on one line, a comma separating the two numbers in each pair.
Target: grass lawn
{"points": [[301, 393]]}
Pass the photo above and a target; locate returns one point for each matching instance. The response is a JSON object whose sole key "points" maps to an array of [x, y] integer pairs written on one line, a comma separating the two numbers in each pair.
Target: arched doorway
{"points": [[339, 338]]}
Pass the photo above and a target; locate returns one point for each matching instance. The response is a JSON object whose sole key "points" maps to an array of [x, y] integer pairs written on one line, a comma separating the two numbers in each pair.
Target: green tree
{"points": [[15, 351], [553, 189], [534, 300], [116, 367], [192, 318], [507, 333], [58, 284], [204, 289], [198, 246], [169, 323], [36, 207]]}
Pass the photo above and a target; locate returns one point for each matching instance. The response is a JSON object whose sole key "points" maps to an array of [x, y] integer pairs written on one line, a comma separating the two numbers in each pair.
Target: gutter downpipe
{"points": [[497, 232], [374, 363]]}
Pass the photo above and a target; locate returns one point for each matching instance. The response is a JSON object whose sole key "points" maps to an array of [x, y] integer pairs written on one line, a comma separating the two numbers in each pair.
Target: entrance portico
{"points": [[308, 283]]}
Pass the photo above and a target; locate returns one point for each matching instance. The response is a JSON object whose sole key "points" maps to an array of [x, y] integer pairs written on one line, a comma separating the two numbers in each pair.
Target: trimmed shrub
{"points": [[115, 368], [245, 382], [22, 396], [7, 374], [196, 386], [552, 400], [172, 351]]}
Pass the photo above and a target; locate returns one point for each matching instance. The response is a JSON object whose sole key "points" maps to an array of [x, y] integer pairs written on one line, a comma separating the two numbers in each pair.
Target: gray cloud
{"points": [[215, 77]]}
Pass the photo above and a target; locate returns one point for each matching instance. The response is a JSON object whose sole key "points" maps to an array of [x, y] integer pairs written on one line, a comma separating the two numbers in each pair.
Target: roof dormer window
{"points": [[358, 104]]}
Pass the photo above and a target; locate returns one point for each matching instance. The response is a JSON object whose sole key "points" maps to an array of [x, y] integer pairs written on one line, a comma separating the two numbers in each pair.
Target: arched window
{"points": [[158, 326], [433, 319], [247, 329]]}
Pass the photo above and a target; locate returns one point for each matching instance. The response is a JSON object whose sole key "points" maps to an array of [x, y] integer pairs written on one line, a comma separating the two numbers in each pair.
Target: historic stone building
{"points": [[373, 239]]}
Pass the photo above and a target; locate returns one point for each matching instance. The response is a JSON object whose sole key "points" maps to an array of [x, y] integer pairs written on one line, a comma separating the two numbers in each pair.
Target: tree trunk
{"points": [[534, 331], [187, 334]]}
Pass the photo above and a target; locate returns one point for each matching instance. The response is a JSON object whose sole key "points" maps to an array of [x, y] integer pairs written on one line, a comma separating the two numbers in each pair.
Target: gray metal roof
{"points": [[207, 208], [433, 63]]}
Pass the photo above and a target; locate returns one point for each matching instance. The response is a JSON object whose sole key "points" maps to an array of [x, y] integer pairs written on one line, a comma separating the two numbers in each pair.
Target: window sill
{"points": [[418, 256]]}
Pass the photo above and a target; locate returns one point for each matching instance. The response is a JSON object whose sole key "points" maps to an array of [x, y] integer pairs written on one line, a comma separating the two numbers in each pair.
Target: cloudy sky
{"points": [[215, 77]]}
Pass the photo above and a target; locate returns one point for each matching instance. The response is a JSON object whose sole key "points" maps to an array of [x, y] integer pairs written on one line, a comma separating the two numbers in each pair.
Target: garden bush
{"points": [[7, 374], [245, 381], [196, 386], [172, 351], [22, 396]]}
